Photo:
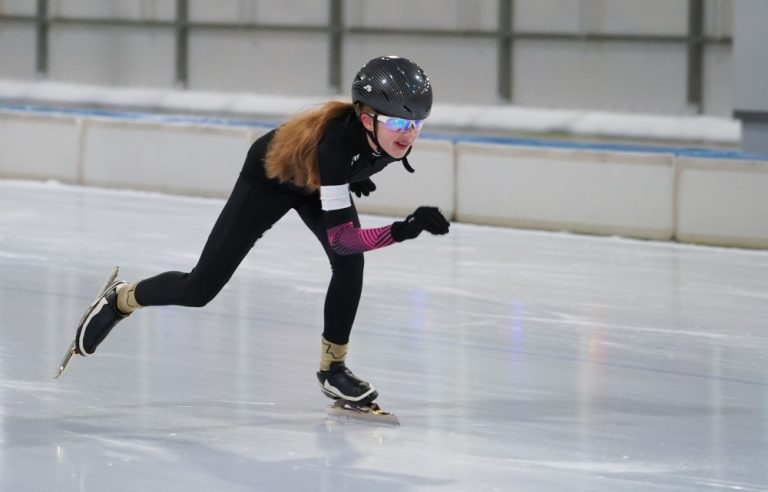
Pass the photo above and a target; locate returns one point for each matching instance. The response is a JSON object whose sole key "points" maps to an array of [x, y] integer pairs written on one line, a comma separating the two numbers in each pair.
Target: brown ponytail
{"points": [[292, 155]]}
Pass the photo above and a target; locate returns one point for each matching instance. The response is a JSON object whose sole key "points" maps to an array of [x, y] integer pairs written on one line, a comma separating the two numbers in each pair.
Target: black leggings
{"points": [[250, 211]]}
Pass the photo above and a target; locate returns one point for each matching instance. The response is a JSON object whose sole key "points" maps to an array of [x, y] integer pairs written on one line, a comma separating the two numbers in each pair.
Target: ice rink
{"points": [[515, 360]]}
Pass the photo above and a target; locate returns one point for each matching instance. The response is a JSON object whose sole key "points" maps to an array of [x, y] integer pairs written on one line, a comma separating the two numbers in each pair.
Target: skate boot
{"points": [[99, 321], [339, 383]]}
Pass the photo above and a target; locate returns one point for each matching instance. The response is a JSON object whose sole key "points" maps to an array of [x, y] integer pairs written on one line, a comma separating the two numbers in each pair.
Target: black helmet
{"points": [[394, 86]]}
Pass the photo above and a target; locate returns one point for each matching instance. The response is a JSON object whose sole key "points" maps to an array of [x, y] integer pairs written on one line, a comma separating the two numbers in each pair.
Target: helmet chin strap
{"points": [[375, 139], [406, 165], [380, 151]]}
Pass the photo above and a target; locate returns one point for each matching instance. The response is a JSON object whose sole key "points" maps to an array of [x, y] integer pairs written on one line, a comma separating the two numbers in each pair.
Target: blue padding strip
{"points": [[452, 137]]}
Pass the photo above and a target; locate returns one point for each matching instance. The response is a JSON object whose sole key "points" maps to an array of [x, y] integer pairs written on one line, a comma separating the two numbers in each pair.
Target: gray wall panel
{"points": [[607, 76], [17, 7], [17, 51], [292, 12], [423, 14], [660, 17], [547, 15], [271, 62], [115, 9], [718, 21], [103, 55], [718, 75], [750, 61]]}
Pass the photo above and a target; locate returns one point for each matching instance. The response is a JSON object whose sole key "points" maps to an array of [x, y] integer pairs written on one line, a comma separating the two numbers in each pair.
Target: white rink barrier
{"points": [[39, 147], [722, 202], [716, 198], [181, 159], [563, 189]]}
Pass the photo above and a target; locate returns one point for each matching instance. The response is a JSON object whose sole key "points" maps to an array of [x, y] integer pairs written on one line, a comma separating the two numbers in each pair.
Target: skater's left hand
{"points": [[362, 188]]}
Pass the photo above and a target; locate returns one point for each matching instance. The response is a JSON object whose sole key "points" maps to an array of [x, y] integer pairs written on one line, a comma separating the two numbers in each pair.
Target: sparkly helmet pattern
{"points": [[394, 86]]}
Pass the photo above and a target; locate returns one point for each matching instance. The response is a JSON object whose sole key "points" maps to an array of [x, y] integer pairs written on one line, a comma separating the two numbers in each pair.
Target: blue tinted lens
{"points": [[397, 124], [402, 125]]}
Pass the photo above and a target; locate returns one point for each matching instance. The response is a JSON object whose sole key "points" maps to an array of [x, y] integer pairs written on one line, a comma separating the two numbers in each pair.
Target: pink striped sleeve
{"points": [[346, 239]]}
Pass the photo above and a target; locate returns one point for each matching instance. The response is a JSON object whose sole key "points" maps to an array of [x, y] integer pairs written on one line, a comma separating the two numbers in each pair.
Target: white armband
{"points": [[335, 197]]}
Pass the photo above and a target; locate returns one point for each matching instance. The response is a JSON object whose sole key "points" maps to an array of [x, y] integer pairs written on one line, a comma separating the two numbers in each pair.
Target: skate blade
{"points": [[371, 413], [72, 351], [109, 281]]}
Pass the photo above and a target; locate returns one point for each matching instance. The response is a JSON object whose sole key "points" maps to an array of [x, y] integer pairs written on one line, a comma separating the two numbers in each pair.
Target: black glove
{"points": [[362, 188], [428, 219]]}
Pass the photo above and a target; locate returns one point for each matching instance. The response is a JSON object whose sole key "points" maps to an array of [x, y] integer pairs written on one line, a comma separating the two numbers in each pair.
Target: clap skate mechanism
{"points": [[72, 350], [368, 413]]}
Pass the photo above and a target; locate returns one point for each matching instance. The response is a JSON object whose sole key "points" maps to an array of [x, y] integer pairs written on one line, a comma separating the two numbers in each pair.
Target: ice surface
{"points": [[515, 360]]}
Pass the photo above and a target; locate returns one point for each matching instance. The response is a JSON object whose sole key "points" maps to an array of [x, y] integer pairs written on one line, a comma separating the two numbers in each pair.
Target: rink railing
{"points": [[665, 193]]}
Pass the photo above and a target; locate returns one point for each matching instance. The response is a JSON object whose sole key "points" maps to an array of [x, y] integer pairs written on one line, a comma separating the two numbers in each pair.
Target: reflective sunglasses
{"points": [[398, 124]]}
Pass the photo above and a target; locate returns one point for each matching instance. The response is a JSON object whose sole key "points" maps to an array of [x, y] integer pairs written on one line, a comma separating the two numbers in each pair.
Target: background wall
{"points": [[751, 73], [653, 56]]}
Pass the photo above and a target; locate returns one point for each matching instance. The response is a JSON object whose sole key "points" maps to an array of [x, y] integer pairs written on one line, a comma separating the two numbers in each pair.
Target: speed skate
{"points": [[72, 350], [370, 413]]}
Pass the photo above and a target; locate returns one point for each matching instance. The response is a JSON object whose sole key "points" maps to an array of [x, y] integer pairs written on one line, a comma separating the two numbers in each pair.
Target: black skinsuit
{"points": [[256, 203]]}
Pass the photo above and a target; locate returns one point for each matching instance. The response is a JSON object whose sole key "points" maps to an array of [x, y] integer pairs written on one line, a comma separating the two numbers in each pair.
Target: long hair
{"points": [[292, 155]]}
